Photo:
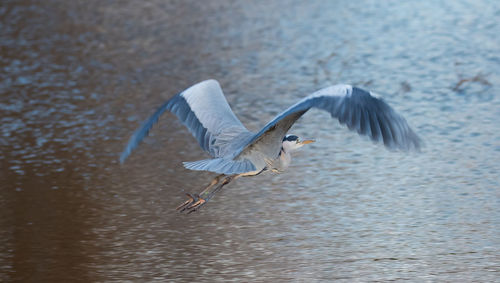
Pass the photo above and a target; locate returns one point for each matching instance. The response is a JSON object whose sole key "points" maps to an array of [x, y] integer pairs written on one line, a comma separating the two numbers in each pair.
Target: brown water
{"points": [[77, 77]]}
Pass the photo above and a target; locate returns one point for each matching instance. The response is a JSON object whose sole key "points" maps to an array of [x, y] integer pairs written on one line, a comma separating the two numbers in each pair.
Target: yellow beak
{"points": [[307, 141]]}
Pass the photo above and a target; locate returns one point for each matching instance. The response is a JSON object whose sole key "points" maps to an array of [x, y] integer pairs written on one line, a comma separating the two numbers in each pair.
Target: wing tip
{"points": [[124, 156], [413, 143]]}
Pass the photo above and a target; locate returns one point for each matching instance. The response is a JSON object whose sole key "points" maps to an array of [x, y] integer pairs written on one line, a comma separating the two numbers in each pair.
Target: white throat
{"points": [[285, 157], [290, 146]]}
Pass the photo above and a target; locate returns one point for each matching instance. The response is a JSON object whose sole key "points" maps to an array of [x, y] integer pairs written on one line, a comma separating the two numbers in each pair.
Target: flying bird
{"points": [[238, 152]]}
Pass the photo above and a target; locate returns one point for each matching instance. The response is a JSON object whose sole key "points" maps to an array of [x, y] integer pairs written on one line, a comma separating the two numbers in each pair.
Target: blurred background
{"points": [[78, 77]]}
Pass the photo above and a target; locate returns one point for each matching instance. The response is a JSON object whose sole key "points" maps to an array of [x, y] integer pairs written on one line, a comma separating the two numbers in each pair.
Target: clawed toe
{"points": [[184, 205], [195, 206], [192, 204]]}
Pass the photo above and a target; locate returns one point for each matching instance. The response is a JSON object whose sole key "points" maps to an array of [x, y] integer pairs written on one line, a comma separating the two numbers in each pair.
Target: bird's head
{"points": [[292, 142]]}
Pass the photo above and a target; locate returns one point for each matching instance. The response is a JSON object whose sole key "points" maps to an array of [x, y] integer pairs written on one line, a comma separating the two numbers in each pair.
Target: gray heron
{"points": [[238, 152]]}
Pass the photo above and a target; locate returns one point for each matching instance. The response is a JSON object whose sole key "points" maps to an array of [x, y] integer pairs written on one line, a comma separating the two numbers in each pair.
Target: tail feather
{"points": [[221, 166]]}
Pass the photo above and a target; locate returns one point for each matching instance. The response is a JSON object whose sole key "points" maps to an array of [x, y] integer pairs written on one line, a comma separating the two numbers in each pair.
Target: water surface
{"points": [[77, 77]]}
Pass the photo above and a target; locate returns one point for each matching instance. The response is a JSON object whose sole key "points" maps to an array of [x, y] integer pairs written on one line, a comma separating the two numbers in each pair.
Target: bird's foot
{"points": [[277, 171], [194, 203]]}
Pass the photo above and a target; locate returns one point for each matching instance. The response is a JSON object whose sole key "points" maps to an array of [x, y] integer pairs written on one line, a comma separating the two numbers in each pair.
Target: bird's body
{"points": [[237, 152]]}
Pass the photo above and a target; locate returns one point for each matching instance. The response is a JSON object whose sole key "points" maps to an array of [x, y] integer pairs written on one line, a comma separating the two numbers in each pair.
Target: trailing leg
{"points": [[199, 198], [195, 202]]}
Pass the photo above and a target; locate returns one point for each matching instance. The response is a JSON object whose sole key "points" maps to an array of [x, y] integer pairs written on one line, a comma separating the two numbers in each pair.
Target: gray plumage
{"points": [[204, 110]]}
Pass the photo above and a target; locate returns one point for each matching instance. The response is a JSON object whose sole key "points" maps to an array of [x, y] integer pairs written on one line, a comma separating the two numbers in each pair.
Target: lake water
{"points": [[78, 77]]}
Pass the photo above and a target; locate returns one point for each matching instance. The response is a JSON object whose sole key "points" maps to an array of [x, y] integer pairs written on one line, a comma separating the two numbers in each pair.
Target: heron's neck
{"points": [[285, 158]]}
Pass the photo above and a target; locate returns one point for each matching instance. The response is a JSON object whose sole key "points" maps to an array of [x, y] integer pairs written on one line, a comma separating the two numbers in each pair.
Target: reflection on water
{"points": [[78, 77]]}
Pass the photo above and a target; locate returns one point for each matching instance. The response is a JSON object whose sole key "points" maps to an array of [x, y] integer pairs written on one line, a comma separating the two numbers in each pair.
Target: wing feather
{"points": [[207, 115], [358, 109], [203, 109]]}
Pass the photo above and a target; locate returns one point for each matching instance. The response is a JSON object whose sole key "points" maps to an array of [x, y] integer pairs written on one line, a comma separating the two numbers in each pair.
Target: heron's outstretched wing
{"points": [[203, 109], [360, 110]]}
